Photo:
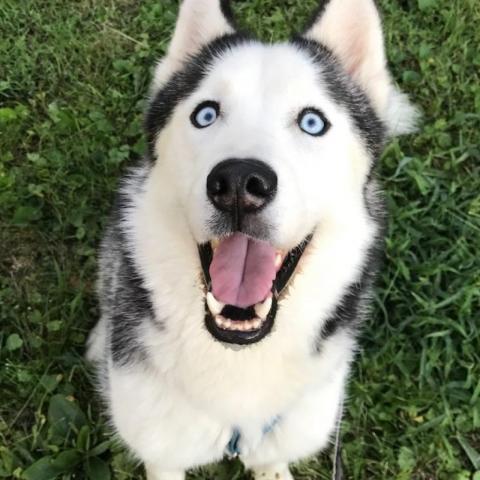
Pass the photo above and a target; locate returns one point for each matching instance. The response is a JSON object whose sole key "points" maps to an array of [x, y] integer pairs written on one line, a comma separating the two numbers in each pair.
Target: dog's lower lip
{"points": [[238, 332]]}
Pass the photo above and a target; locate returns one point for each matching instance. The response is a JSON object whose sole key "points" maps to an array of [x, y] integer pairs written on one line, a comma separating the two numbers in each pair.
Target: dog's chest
{"points": [[245, 386]]}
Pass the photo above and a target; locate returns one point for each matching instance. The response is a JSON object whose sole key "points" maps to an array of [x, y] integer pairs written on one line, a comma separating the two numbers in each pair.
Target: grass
{"points": [[73, 76]]}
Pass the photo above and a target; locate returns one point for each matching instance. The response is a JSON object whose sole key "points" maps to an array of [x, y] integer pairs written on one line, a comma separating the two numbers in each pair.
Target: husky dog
{"points": [[241, 252]]}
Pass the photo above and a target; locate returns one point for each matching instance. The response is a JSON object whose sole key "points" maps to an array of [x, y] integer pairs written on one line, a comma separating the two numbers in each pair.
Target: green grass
{"points": [[73, 76]]}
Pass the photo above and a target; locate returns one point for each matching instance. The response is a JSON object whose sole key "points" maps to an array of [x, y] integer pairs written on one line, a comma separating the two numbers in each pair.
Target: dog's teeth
{"points": [[223, 323], [278, 260], [247, 326], [214, 305], [214, 244], [262, 309], [256, 322], [219, 320], [237, 326]]}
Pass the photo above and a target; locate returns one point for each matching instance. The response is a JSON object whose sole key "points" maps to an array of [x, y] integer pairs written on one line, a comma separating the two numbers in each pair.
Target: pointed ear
{"points": [[198, 23], [352, 30]]}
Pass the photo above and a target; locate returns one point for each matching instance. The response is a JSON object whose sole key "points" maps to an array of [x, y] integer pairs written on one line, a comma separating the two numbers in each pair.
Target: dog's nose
{"points": [[240, 186]]}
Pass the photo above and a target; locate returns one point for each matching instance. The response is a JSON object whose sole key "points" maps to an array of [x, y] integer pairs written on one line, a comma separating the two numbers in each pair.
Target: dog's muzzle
{"points": [[244, 273]]}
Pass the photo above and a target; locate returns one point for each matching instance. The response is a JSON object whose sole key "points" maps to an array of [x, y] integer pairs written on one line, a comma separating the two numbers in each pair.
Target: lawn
{"points": [[73, 79]]}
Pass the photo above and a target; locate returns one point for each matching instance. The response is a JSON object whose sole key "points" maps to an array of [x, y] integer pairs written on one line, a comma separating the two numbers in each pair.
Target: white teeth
{"points": [[220, 321], [278, 260], [214, 305], [238, 326], [248, 325], [215, 243], [262, 309], [256, 322]]}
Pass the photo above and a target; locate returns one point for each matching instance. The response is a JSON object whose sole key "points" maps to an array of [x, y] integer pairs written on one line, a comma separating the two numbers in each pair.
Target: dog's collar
{"points": [[232, 450]]}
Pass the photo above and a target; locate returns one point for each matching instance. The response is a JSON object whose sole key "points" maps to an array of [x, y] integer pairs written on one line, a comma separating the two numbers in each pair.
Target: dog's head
{"points": [[261, 144]]}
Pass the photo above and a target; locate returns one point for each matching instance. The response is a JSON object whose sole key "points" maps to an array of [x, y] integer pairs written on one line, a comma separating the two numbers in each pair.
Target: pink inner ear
{"points": [[198, 23], [352, 30], [355, 54]]}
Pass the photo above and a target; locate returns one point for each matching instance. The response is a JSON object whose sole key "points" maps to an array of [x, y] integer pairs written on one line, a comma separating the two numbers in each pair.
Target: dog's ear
{"points": [[198, 23], [352, 30]]}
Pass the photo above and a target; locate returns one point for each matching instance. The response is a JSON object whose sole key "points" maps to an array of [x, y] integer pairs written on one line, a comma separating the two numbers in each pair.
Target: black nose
{"points": [[241, 186]]}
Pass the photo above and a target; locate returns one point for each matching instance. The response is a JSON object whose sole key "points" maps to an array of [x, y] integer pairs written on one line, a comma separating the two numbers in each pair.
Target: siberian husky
{"points": [[240, 256]]}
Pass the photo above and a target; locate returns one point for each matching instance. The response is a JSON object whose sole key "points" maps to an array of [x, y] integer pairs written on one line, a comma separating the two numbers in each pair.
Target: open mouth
{"points": [[244, 279]]}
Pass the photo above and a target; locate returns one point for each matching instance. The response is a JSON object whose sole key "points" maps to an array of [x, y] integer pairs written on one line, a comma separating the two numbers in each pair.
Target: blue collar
{"points": [[232, 449]]}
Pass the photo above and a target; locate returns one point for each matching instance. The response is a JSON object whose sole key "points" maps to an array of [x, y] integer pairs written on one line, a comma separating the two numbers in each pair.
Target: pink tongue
{"points": [[242, 271]]}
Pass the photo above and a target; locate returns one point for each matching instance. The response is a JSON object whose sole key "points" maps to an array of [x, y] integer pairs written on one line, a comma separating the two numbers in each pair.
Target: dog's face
{"points": [[262, 148], [265, 143]]}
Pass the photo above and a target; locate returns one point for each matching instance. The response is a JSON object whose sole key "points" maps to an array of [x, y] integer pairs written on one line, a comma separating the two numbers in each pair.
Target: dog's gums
{"points": [[242, 324]]}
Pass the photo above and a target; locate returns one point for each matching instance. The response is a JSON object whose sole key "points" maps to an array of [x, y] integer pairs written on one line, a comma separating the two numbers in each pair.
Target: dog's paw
{"points": [[278, 471]]}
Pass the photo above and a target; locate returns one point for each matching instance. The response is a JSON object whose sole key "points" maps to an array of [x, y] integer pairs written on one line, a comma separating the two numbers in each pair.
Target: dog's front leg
{"points": [[154, 473], [278, 471]]}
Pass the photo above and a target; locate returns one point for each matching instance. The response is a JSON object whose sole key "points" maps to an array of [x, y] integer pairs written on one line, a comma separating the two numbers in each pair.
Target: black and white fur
{"points": [[175, 393]]}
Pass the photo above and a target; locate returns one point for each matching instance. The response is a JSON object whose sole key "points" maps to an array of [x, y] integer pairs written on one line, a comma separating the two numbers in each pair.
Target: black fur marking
{"points": [[348, 313], [227, 12], [375, 202], [183, 83], [346, 93], [124, 300], [132, 306], [350, 310], [131, 185]]}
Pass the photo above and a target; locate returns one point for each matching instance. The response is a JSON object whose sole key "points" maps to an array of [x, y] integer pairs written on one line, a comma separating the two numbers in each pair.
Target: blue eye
{"points": [[313, 122], [205, 114]]}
